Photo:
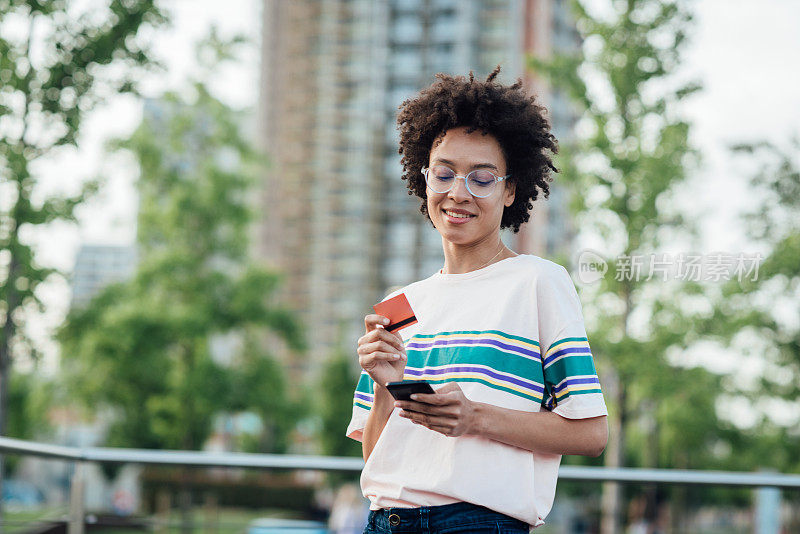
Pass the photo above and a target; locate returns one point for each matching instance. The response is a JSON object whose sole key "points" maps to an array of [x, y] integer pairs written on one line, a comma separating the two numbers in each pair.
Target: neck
{"points": [[459, 259]]}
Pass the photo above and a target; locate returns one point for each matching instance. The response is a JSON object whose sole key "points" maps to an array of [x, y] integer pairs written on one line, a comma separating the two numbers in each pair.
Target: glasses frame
{"points": [[425, 170]]}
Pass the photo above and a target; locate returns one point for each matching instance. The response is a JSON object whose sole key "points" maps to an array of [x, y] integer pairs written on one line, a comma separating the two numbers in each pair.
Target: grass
{"points": [[225, 521]]}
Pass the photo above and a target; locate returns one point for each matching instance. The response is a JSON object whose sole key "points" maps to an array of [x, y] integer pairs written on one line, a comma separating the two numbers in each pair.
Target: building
{"points": [[337, 219], [97, 266]]}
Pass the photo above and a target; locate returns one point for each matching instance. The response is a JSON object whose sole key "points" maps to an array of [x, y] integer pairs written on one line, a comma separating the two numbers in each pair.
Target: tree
{"points": [[334, 402], [761, 313], [632, 155], [56, 65], [144, 348]]}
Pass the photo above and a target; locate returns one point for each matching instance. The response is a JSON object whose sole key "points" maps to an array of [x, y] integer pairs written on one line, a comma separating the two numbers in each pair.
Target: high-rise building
{"points": [[97, 266], [337, 218]]}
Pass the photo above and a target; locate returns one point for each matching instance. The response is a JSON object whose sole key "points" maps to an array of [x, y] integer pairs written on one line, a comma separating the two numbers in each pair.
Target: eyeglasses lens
{"points": [[480, 183]]}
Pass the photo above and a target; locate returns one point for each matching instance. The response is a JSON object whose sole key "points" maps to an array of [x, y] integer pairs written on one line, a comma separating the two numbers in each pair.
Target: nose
{"points": [[459, 191]]}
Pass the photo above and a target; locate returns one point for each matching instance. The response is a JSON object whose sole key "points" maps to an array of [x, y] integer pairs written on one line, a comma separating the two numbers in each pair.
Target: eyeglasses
{"points": [[480, 183]]}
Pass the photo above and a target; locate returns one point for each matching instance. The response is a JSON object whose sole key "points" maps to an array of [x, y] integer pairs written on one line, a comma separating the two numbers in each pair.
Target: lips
{"points": [[457, 216]]}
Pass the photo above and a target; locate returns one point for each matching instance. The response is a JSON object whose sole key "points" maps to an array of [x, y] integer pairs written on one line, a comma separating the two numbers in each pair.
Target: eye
{"points": [[442, 173], [481, 178]]}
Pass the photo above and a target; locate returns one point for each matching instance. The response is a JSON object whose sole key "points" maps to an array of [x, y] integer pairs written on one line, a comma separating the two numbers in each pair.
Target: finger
{"points": [[432, 398], [380, 334], [380, 346], [420, 407], [380, 356], [447, 388], [372, 321], [427, 420], [389, 337]]}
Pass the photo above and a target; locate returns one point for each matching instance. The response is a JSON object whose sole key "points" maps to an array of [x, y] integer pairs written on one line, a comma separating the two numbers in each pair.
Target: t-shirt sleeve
{"points": [[572, 387], [362, 404]]}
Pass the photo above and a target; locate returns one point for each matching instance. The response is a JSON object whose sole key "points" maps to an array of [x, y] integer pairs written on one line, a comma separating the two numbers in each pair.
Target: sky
{"points": [[744, 52]]}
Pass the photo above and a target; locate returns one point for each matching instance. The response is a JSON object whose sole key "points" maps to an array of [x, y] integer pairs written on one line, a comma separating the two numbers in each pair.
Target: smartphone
{"points": [[402, 390]]}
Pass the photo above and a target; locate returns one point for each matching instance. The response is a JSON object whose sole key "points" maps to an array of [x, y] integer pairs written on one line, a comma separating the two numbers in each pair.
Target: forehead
{"points": [[470, 148]]}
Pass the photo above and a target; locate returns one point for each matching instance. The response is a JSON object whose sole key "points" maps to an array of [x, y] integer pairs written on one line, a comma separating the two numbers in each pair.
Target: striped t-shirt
{"points": [[511, 335]]}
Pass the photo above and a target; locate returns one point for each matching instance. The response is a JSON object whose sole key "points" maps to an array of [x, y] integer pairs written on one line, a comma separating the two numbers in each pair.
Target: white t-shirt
{"points": [[485, 330]]}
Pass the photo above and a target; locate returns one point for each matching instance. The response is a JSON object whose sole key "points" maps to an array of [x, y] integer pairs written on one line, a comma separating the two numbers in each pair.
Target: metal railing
{"points": [[770, 483]]}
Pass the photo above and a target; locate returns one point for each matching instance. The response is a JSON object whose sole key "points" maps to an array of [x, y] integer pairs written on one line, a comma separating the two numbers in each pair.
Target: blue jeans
{"points": [[445, 519]]}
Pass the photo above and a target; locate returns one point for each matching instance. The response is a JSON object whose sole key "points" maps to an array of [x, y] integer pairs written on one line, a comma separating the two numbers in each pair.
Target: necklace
{"points": [[490, 260]]}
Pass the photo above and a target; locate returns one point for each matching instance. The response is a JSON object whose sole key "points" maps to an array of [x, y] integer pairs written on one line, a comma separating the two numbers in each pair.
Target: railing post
{"points": [[77, 512], [768, 510]]}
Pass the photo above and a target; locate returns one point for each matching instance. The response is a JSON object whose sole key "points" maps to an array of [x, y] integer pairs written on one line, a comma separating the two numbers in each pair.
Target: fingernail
{"points": [[385, 320], [414, 396]]}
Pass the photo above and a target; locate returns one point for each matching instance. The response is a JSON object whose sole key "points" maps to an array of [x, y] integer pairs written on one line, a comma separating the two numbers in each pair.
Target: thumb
{"points": [[447, 388]]}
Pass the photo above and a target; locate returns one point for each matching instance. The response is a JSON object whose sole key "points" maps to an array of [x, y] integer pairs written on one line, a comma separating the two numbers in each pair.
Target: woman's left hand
{"points": [[448, 411]]}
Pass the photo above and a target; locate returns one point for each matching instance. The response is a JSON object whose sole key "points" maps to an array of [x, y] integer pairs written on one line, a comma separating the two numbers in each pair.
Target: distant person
{"points": [[499, 335], [349, 511]]}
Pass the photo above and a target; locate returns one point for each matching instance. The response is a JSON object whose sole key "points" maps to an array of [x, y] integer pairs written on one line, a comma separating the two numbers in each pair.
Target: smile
{"points": [[458, 215], [454, 217]]}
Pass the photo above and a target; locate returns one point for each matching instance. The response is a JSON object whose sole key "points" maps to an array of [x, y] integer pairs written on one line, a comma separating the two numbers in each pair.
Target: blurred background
{"points": [[199, 202]]}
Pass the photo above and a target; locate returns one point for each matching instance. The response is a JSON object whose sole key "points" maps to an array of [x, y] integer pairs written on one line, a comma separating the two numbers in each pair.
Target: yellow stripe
{"points": [[568, 345], [581, 387], [363, 404], [483, 378]]}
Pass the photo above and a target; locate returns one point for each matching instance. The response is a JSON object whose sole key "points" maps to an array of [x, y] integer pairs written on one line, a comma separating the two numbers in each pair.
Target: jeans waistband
{"points": [[424, 518]]}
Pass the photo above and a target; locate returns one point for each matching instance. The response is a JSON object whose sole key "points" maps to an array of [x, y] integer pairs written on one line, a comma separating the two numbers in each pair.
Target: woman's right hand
{"points": [[380, 352]]}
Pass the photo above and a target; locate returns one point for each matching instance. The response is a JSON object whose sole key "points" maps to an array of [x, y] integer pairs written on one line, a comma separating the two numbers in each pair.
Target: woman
{"points": [[500, 335]]}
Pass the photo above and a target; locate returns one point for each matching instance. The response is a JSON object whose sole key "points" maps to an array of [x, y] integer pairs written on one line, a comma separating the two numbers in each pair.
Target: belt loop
{"points": [[424, 515]]}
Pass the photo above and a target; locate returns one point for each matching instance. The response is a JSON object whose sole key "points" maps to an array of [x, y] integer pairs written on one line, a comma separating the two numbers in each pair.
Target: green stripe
{"points": [[365, 384], [567, 340], [524, 395], [513, 364], [582, 392], [577, 364], [475, 332], [360, 403]]}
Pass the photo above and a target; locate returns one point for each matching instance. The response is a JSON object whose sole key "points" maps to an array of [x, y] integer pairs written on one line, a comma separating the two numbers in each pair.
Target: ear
{"points": [[509, 193]]}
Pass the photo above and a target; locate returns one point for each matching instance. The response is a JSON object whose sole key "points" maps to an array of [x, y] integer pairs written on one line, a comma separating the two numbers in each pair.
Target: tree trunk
{"points": [[611, 501], [7, 334], [651, 461], [185, 502]]}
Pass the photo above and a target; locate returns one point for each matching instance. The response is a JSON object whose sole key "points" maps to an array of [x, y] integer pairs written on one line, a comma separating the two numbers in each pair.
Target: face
{"points": [[480, 217]]}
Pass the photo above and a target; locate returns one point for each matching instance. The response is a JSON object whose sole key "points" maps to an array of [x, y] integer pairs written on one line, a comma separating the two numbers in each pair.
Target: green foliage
{"points": [[764, 312], [334, 401], [630, 155], [143, 348], [29, 396], [58, 66]]}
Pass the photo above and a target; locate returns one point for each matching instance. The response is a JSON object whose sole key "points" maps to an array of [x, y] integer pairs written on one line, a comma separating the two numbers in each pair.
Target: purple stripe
{"points": [[571, 350], [364, 396], [441, 342], [575, 381], [462, 368]]}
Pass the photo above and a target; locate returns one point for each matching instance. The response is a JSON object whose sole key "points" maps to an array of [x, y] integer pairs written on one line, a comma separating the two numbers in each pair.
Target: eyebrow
{"points": [[474, 165]]}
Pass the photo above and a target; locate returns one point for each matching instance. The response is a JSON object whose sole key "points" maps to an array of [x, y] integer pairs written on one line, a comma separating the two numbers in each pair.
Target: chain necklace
{"points": [[490, 260]]}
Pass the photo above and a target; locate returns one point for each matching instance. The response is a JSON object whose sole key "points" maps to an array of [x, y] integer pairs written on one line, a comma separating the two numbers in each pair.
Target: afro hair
{"points": [[508, 113]]}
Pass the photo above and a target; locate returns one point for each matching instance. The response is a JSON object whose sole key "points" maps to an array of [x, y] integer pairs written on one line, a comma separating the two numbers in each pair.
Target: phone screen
{"points": [[403, 390]]}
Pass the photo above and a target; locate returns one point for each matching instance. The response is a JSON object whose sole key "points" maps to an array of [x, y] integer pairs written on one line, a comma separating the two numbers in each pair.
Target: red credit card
{"points": [[398, 311]]}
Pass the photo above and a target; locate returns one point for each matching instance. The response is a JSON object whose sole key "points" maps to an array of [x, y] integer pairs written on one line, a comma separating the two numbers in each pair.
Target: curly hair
{"points": [[509, 114]]}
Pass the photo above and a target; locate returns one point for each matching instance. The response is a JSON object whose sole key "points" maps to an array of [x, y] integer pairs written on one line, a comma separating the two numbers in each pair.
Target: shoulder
{"points": [[540, 268], [412, 287]]}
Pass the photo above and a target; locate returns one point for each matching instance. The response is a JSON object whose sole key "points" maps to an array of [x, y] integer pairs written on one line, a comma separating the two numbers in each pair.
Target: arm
{"points": [[381, 409], [383, 356], [449, 412], [541, 431]]}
